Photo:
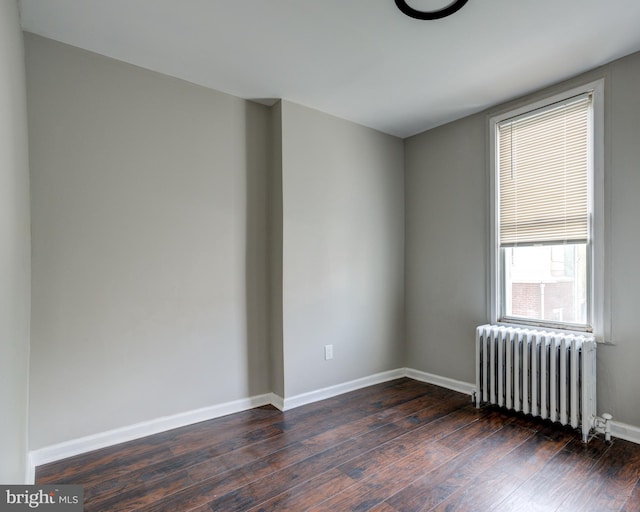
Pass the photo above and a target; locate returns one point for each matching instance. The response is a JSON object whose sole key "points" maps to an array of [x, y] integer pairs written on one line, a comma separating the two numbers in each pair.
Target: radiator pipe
{"points": [[607, 425]]}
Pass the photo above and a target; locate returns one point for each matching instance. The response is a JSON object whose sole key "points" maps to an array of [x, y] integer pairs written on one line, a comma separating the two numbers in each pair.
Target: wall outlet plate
{"points": [[328, 352]]}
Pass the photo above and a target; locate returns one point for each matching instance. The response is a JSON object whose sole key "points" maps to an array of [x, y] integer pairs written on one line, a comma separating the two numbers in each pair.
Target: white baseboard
{"points": [[624, 431], [129, 433], [277, 401], [445, 382], [338, 389], [285, 404], [101, 440], [30, 473], [92, 442]]}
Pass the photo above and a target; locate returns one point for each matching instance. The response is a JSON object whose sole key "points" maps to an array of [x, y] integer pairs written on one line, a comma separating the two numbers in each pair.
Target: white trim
{"points": [[626, 432], [109, 438], [277, 401], [338, 389], [445, 382], [601, 319], [494, 264], [138, 430], [331, 391], [30, 472]]}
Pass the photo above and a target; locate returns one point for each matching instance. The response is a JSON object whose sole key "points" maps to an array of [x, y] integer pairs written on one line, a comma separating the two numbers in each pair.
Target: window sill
{"points": [[559, 330]]}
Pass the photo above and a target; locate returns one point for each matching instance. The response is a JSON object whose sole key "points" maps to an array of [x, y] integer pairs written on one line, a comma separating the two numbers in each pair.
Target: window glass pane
{"points": [[547, 282]]}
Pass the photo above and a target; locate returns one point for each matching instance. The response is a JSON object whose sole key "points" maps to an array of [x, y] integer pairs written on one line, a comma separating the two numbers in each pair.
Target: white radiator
{"points": [[544, 374]]}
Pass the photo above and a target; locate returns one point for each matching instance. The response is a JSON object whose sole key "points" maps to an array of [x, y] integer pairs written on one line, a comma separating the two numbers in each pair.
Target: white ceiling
{"points": [[361, 60]]}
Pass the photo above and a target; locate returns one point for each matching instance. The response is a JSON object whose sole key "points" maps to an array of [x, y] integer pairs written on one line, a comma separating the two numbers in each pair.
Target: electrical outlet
{"points": [[328, 352]]}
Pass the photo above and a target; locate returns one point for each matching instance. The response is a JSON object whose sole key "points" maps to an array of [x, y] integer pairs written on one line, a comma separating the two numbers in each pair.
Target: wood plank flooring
{"points": [[401, 446]]}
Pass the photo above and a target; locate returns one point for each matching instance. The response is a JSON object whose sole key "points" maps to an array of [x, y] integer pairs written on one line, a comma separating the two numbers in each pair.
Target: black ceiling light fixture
{"points": [[431, 15]]}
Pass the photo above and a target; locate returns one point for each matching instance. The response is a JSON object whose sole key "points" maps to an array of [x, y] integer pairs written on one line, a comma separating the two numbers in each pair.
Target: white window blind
{"points": [[544, 164]]}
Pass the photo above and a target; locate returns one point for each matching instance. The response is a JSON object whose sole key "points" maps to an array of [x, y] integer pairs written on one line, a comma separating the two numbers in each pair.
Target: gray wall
{"points": [[446, 264], [14, 249], [446, 247], [150, 228], [618, 375], [343, 239], [191, 248]]}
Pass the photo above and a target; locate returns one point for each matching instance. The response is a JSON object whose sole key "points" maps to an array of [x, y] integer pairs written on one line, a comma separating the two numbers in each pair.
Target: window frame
{"points": [[596, 242]]}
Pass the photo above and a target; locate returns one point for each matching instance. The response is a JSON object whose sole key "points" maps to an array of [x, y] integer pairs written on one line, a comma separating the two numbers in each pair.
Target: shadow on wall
{"points": [[257, 121]]}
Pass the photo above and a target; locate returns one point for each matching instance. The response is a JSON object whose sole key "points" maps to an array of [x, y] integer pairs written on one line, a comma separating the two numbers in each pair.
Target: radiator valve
{"points": [[603, 424]]}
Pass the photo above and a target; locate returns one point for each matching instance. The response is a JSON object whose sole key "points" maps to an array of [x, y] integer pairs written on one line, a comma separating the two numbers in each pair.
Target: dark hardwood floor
{"points": [[395, 447]]}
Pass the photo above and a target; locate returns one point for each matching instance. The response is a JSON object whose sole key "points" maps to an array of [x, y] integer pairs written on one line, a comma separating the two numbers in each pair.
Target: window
{"points": [[546, 163]]}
